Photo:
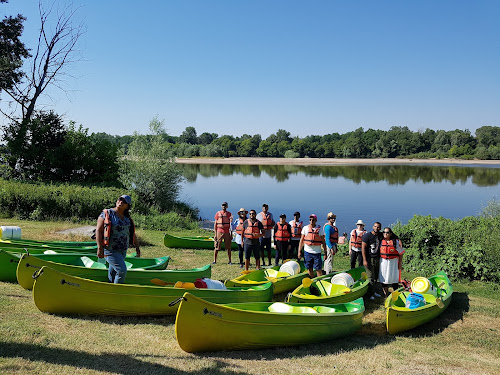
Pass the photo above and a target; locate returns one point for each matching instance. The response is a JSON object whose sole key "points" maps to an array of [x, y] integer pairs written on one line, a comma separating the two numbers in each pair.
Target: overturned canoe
{"points": [[28, 264], [282, 281], [26, 242], [322, 291], [20, 244], [59, 293], [198, 242], [399, 318], [204, 326]]}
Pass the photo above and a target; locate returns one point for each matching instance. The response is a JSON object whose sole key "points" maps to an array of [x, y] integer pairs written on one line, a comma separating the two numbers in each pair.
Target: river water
{"points": [[384, 193]]}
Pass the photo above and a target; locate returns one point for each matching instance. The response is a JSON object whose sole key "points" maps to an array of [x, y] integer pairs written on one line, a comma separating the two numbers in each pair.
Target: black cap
{"points": [[283, 215], [297, 213]]}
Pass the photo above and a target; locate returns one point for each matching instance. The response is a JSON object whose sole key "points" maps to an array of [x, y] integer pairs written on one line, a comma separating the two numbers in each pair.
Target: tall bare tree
{"points": [[56, 50]]}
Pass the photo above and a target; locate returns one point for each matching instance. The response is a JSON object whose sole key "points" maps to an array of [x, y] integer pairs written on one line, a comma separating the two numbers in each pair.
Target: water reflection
{"points": [[391, 174]]}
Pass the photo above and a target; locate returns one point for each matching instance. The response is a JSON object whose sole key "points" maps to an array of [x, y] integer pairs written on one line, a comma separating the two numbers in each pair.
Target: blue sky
{"points": [[310, 67]]}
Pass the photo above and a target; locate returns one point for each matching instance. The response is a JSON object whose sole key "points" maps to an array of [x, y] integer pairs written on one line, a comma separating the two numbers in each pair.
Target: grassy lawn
{"points": [[465, 339]]}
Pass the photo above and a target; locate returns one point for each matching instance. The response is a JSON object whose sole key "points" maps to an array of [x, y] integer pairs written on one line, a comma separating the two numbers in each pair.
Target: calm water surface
{"points": [[384, 193]]}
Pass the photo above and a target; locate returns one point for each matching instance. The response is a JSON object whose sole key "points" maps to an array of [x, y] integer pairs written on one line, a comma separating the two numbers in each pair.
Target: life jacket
{"points": [[388, 249], [282, 234], [266, 221], [239, 227], [297, 229], [355, 239], [252, 230], [223, 221], [312, 238], [107, 229], [334, 236]]}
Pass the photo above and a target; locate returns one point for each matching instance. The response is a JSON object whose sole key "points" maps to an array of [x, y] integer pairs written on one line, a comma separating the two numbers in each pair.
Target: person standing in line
{"points": [[252, 231], [296, 226], [370, 248], [237, 227], [331, 240], [391, 254], [282, 235], [312, 240], [115, 230], [355, 244], [222, 229], [266, 218]]}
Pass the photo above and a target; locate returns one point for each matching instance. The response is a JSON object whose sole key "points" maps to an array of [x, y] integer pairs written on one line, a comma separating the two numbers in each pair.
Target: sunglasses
{"points": [[252, 214], [122, 200], [387, 232]]}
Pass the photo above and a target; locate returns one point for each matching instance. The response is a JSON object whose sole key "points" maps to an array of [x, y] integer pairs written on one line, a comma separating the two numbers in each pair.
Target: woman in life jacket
{"points": [[391, 254], [114, 232]]}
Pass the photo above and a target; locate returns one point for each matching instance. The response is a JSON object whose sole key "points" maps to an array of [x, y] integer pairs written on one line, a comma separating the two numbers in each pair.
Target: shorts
{"points": [[226, 237], [254, 248], [313, 261]]}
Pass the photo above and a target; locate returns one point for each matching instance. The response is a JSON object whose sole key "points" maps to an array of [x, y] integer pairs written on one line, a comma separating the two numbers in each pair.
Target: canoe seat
{"points": [[325, 309], [49, 252], [274, 273], [89, 263], [129, 265], [324, 288], [280, 307]]}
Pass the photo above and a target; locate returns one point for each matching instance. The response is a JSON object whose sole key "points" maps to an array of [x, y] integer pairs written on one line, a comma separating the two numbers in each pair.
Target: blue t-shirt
{"points": [[120, 234]]}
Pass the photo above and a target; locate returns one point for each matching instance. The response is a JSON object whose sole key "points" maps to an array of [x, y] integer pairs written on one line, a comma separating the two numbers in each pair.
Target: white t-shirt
{"points": [[315, 249], [358, 232]]}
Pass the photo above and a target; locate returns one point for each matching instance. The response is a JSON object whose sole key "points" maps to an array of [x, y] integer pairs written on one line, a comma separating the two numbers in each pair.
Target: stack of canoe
{"points": [[197, 242]]}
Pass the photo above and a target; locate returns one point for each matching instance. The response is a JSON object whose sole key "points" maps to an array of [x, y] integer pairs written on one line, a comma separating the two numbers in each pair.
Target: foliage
{"points": [[465, 248]]}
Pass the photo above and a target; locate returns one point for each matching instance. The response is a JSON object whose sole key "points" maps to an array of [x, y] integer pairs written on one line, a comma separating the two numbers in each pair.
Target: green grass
{"points": [[463, 340]]}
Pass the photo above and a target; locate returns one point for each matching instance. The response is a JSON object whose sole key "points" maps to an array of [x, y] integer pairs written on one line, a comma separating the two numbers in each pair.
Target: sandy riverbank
{"points": [[331, 161]]}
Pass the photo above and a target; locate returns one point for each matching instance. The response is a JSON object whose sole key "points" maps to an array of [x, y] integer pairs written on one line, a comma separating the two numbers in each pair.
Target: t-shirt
{"points": [[313, 249], [358, 232], [251, 241], [373, 242], [260, 217], [237, 237], [120, 231], [293, 225]]}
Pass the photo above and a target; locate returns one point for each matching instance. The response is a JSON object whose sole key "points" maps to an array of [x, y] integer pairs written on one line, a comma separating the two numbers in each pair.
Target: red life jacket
{"points": [[282, 234], [239, 228], [252, 231], [312, 238], [334, 236], [297, 229], [223, 221], [388, 249], [107, 229], [266, 221], [355, 239]]}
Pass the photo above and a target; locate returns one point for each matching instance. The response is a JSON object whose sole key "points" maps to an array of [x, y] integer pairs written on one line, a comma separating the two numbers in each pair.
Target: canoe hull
{"points": [[29, 264], [400, 318], [192, 242], [202, 326], [59, 293]]}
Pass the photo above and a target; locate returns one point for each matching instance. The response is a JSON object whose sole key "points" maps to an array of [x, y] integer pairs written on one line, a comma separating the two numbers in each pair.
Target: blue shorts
{"points": [[252, 249], [313, 261]]}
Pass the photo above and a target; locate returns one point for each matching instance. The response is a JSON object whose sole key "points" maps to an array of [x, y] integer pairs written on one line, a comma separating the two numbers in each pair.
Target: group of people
{"points": [[380, 252]]}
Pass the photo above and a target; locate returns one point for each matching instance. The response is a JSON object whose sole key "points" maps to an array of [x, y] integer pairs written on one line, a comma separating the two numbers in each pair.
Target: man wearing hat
{"points": [[331, 240], [312, 240], [237, 227], [282, 235], [222, 229], [355, 244]]}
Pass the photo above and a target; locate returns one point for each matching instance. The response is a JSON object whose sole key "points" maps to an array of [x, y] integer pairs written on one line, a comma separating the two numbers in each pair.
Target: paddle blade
{"points": [[394, 296], [346, 290], [364, 276], [439, 303], [158, 282], [271, 279], [306, 282], [246, 272]]}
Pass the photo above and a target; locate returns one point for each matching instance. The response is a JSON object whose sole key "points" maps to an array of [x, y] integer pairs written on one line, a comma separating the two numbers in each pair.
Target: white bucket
{"points": [[10, 233], [291, 267], [214, 284], [343, 279]]}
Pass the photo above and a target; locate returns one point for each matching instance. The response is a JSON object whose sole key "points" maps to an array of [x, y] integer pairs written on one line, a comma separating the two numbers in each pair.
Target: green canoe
{"points": [[198, 242], [28, 264], [59, 293], [202, 326], [9, 261], [20, 244], [322, 291], [26, 242], [399, 318], [282, 282]]}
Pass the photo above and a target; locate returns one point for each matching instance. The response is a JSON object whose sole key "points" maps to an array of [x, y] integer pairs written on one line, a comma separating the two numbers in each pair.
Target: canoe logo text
{"points": [[213, 313]]}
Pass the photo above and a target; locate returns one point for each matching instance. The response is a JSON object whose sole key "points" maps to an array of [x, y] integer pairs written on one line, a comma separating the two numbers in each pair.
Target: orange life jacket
{"points": [[355, 239], [223, 221], [334, 236], [388, 249], [266, 221], [252, 231], [312, 238], [282, 234], [107, 229], [297, 229], [239, 227]]}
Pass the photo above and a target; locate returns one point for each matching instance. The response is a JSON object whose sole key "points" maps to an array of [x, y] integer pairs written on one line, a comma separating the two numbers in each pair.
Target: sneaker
{"points": [[377, 295], [214, 262], [372, 298], [229, 263], [241, 265], [263, 264]]}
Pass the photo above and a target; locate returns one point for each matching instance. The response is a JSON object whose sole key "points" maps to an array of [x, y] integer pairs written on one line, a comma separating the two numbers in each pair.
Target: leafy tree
{"points": [[227, 145], [488, 136], [206, 138], [247, 147], [189, 136]]}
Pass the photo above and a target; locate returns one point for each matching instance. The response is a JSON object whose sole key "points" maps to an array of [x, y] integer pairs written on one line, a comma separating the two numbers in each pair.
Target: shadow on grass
{"points": [[164, 320], [114, 363]]}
